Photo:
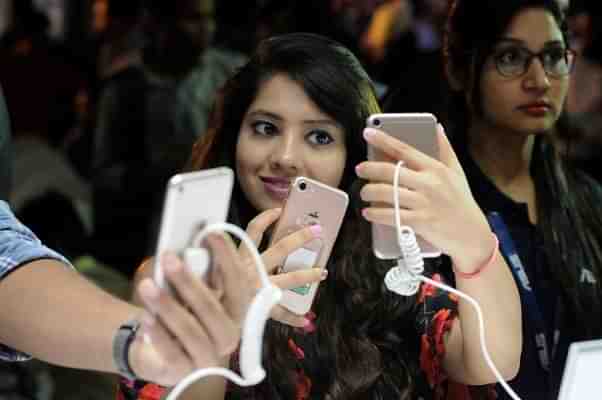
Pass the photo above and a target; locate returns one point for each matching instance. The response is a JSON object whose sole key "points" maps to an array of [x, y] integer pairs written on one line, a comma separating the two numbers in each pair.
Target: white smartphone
{"points": [[420, 131], [309, 202], [192, 201]]}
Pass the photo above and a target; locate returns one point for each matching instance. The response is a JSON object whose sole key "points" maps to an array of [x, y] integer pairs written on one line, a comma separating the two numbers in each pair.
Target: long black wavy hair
{"points": [[365, 345], [568, 200]]}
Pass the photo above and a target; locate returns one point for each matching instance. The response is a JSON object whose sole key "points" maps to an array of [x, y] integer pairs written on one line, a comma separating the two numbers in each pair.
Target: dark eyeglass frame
{"points": [[569, 56]]}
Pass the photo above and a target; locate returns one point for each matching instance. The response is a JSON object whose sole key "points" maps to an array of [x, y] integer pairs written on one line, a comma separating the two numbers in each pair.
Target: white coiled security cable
{"points": [[405, 278]]}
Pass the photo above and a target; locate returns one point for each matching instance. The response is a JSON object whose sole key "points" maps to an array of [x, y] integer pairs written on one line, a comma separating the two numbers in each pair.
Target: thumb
{"points": [[446, 152]]}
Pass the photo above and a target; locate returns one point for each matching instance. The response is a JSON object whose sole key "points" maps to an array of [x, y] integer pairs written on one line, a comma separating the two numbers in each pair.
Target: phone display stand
{"points": [[254, 323], [582, 371], [198, 260]]}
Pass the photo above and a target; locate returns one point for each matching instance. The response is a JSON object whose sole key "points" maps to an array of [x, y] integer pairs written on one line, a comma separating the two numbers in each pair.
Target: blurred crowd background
{"points": [[106, 97]]}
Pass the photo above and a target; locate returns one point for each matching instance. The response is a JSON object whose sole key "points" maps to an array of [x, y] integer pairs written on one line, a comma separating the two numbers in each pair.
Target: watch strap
{"points": [[121, 345]]}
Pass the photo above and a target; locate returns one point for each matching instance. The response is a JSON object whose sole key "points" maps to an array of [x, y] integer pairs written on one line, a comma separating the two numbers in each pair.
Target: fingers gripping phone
{"points": [[418, 130], [309, 203], [192, 201]]}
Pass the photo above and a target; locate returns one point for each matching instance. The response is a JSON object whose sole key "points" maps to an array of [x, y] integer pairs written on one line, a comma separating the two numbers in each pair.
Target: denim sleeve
{"points": [[19, 246]]}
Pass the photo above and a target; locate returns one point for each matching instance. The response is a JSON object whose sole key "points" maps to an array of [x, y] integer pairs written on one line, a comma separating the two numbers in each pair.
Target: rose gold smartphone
{"points": [[309, 203], [420, 131]]}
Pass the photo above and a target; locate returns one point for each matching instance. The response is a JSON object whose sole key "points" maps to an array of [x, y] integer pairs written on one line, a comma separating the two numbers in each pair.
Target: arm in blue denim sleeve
{"points": [[19, 246]]}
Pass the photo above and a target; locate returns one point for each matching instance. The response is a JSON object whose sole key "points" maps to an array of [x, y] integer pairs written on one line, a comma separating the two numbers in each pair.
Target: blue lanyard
{"points": [[510, 253]]}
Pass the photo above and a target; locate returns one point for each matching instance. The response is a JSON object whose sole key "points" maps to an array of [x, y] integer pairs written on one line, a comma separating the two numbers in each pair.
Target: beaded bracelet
{"points": [[475, 273]]}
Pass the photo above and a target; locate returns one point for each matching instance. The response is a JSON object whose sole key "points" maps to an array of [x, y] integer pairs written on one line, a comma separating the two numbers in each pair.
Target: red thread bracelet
{"points": [[474, 274]]}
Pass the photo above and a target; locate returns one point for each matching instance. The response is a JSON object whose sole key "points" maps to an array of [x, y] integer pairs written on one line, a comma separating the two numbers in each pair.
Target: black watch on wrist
{"points": [[121, 347]]}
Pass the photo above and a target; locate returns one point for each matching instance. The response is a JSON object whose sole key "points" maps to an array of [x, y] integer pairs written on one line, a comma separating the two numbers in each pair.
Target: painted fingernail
{"points": [[358, 170], [309, 326], [316, 230], [311, 315], [324, 275], [369, 133], [365, 213]]}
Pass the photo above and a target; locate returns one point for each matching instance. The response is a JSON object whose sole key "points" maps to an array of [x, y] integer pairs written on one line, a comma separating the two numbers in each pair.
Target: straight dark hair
{"points": [[568, 201], [366, 345]]}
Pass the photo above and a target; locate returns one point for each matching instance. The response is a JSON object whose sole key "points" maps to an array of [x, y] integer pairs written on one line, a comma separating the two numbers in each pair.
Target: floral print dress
{"points": [[437, 311]]}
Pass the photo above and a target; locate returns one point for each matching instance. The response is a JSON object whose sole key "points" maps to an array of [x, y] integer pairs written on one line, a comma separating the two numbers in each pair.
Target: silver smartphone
{"points": [[418, 130], [192, 201], [309, 202]]}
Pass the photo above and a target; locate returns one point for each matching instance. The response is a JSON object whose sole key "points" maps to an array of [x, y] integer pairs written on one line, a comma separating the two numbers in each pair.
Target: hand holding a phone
{"points": [[195, 324], [434, 196], [275, 256]]}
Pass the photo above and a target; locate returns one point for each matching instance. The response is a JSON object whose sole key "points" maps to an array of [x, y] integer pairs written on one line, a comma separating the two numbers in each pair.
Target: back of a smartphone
{"points": [[419, 131], [192, 201], [309, 203]]}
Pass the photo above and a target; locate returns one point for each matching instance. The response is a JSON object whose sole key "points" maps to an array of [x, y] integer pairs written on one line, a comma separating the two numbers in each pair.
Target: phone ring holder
{"points": [[254, 323]]}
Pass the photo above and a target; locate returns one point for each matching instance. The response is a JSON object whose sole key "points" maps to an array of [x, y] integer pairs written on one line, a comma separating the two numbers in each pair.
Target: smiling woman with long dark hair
{"points": [[298, 108]]}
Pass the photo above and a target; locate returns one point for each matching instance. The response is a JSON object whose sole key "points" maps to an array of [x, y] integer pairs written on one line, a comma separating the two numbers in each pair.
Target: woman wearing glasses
{"points": [[508, 63]]}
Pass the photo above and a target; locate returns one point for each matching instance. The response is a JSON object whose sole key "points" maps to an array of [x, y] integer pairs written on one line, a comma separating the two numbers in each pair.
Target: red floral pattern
{"points": [[437, 311], [303, 386], [129, 390]]}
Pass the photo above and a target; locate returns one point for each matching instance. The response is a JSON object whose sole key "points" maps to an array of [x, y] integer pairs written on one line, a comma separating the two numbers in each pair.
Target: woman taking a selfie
{"points": [[298, 108]]}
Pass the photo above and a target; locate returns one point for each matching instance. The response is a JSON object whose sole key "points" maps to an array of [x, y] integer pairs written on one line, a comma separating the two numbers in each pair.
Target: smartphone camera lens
{"points": [[302, 186], [377, 122]]}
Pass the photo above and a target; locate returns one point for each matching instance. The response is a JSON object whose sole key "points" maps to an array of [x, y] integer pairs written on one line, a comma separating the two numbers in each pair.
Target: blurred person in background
{"points": [[38, 76], [582, 131], [414, 64], [114, 45], [123, 38], [585, 93], [41, 89], [403, 35], [148, 116]]}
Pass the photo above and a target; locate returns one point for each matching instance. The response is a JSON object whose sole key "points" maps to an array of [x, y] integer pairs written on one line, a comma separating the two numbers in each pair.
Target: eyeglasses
{"points": [[513, 61]]}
